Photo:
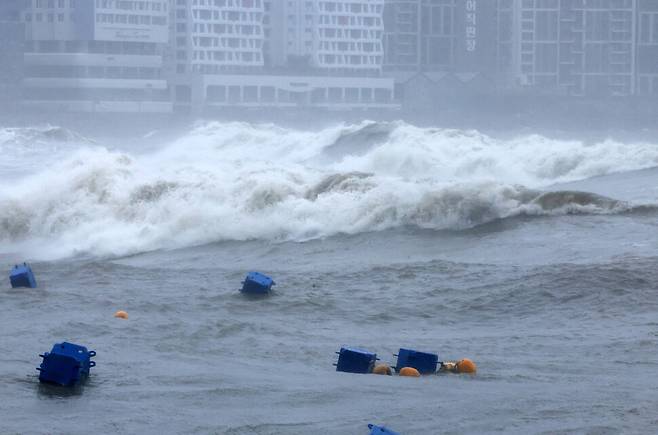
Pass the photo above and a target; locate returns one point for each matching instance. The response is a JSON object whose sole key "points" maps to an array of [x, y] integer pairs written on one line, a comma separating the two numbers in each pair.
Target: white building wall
{"points": [[350, 34], [338, 35], [142, 21], [89, 55], [213, 36], [334, 93]]}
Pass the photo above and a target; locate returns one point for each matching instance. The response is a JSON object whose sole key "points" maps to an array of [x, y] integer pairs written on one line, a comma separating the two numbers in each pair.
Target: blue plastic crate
{"points": [[352, 360], [425, 363], [380, 430], [257, 283], [22, 276], [66, 364]]}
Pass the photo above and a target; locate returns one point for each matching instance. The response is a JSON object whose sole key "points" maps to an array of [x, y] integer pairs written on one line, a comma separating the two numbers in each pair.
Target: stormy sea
{"points": [[534, 256]]}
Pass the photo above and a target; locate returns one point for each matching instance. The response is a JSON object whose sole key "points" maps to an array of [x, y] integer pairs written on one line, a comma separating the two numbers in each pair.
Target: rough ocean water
{"points": [[536, 257]]}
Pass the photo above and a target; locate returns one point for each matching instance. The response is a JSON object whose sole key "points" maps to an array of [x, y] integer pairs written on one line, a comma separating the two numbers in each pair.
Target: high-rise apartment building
{"points": [[11, 50], [505, 42], [96, 55], [218, 36], [577, 47], [444, 35], [402, 35], [274, 53], [349, 35], [340, 37], [441, 49], [440, 32], [291, 29]]}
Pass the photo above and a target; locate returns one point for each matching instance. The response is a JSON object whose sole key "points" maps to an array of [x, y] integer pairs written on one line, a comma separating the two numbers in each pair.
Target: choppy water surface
{"points": [[533, 256]]}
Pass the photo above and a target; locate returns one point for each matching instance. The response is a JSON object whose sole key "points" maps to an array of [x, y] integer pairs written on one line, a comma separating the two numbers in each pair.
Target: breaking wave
{"points": [[236, 181], [38, 136], [23, 148]]}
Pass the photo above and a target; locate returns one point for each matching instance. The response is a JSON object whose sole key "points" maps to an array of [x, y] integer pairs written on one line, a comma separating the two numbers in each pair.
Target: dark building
{"points": [[447, 35], [12, 37], [402, 35], [443, 50]]}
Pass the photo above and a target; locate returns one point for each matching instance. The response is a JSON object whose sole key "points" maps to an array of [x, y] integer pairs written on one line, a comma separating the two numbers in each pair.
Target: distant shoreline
{"points": [[596, 119]]}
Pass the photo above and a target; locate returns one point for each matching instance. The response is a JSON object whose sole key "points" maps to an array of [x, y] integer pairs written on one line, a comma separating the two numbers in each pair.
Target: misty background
{"points": [[579, 65]]}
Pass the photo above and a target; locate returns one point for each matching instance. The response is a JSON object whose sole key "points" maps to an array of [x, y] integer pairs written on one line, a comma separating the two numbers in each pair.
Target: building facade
{"points": [[402, 35], [96, 55], [272, 53], [444, 35], [446, 49], [579, 47], [157, 55], [218, 36], [338, 37], [349, 36], [553, 47]]}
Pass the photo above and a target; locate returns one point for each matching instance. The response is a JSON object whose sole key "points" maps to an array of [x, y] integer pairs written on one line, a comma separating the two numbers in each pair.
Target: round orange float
{"points": [[382, 369], [121, 314], [409, 371], [466, 366]]}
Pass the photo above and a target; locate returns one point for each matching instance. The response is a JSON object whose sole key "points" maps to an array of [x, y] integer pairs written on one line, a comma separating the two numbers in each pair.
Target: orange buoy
{"points": [[382, 369], [409, 371], [466, 366], [121, 314]]}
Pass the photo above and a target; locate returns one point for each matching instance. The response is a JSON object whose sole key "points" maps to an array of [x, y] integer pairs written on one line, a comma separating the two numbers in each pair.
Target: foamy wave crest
{"points": [[238, 181], [38, 135], [24, 148]]}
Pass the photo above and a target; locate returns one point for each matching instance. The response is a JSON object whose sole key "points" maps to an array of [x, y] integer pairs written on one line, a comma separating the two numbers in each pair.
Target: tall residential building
{"points": [[402, 35], [339, 37], [440, 49], [218, 36], [578, 47], [96, 55], [11, 50], [291, 35], [446, 35], [647, 47], [505, 44], [440, 33], [274, 53]]}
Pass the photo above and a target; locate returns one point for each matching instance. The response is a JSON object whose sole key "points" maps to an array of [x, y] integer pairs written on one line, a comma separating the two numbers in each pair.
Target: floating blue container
{"points": [[425, 363], [353, 360], [22, 276], [257, 284], [380, 430], [66, 364]]}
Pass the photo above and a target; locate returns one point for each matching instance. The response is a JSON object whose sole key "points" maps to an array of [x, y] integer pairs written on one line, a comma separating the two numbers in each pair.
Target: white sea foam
{"points": [[24, 149], [236, 181]]}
